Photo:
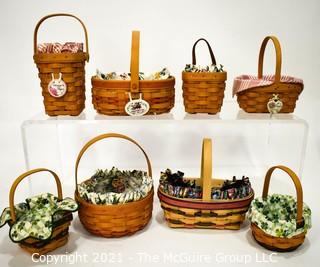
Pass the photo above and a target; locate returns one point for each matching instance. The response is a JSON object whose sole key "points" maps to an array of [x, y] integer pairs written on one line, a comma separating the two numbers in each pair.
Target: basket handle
{"points": [[134, 65], [206, 169], [35, 35], [277, 47], [297, 184], [105, 136], [20, 178], [194, 60]]}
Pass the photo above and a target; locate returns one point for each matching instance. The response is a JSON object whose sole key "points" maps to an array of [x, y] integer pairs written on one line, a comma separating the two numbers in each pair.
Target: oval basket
{"points": [[110, 97], [205, 212], [252, 92], [119, 219], [281, 244], [203, 92], [72, 68], [60, 230]]}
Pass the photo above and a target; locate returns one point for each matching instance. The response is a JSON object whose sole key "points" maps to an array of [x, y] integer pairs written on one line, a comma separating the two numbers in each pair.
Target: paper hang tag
{"points": [[137, 107], [57, 87], [274, 104]]}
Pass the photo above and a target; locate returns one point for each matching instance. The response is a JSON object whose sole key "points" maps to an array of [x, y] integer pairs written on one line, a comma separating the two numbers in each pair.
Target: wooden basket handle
{"points": [[297, 184], [105, 136], [277, 47], [35, 35], [206, 169], [194, 60], [134, 65], [20, 178]]}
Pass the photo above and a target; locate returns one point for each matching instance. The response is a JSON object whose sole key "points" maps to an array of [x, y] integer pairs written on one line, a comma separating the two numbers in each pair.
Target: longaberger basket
{"points": [[203, 92], [205, 212], [118, 219], [59, 236], [110, 97], [255, 93], [69, 67], [260, 228]]}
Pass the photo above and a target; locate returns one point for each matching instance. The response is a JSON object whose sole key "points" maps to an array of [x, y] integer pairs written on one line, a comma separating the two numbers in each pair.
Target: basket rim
{"points": [[200, 204], [256, 227], [95, 79]]}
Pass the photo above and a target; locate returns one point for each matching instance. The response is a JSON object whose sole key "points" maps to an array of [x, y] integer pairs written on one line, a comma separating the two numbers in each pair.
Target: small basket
{"points": [[60, 230], [255, 92], [110, 97], [119, 219], [205, 212], [71, 67], [281, 244], [203, 92]]}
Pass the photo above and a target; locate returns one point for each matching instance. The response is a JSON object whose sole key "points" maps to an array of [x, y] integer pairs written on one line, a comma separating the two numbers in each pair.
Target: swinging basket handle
{"points": [[23, 176]]}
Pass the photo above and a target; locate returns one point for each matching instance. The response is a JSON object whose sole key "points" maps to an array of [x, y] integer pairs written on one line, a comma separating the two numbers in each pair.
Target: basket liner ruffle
{"points": [[276, 215], [37, 216], [245, 82]]}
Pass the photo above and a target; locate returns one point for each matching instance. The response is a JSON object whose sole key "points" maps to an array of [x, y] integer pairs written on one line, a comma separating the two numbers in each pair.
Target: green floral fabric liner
{"points": [[114, 186], [198, 68], [276, 215], [37, 216]]}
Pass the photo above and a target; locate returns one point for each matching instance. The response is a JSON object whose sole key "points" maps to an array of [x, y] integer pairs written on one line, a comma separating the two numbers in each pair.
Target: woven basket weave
{"points": [[72, 68], [281, 244], [60, 230], [109, 97], [203, 92], [205, 212], [254, 100], [119, 219]]}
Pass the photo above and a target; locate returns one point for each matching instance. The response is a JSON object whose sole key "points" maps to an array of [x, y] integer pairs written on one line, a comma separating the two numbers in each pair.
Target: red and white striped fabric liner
{"points": [[69, 47], [245, 82]]}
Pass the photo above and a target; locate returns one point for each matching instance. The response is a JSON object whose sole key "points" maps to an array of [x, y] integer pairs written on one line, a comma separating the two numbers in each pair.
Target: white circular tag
{"points": [[137, 107], [57, 87]]}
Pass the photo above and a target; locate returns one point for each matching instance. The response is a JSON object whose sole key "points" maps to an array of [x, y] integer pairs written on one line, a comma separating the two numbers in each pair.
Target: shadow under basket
{"points": [[205, 212], [119, 219]]}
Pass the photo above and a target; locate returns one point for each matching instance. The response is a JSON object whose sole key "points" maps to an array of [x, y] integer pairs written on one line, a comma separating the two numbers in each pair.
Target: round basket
{"points": [[60, 232], [205, 212], [203, 92], [110, 97], [119, 219], [71, 66], [254, 92], [281, 244]]}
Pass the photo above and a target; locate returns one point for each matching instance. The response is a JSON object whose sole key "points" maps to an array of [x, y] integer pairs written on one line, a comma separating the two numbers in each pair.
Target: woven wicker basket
{"points": [[72, 68], [60, 229], [109, 97], [119, 219], [255, 99], [205, 212], [203, 92], [281, 244]]}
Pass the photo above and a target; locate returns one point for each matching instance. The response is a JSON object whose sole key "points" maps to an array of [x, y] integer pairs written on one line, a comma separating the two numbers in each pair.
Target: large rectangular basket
{"points": [[60, 231], [110, 97], [119, 219], [255, 93], [71, 67], [203, 92], [205, 212]]}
